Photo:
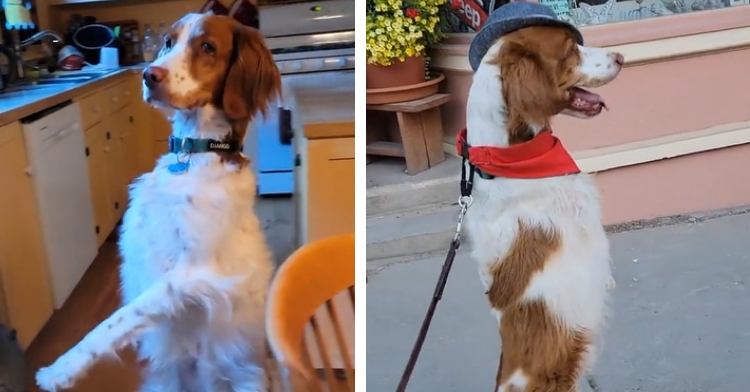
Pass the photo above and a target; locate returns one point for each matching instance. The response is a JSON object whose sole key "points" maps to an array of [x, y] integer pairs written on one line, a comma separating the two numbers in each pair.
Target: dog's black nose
{"points": [[153, 75]]}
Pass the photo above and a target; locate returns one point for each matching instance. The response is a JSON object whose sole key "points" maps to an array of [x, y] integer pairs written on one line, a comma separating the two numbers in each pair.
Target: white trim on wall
{"points": [[644, 151], [645, 51]]}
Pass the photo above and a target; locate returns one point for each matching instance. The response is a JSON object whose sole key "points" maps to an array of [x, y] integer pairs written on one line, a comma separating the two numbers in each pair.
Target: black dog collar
{"points": [[189, 145]]}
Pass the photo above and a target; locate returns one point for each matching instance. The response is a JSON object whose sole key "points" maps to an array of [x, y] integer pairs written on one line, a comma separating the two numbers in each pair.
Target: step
{"points": [[398, 192], [409, 234]]}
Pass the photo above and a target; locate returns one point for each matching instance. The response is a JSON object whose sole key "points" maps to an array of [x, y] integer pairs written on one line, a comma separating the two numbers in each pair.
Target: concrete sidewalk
{"points": [[681, 318]]}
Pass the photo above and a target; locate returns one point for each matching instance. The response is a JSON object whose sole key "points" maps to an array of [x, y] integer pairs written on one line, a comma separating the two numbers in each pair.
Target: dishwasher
{"points": [[56, 147]]}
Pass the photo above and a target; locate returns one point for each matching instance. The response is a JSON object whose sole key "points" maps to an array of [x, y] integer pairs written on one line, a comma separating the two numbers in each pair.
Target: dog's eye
{"points": [[209, 48], [168, 43]]}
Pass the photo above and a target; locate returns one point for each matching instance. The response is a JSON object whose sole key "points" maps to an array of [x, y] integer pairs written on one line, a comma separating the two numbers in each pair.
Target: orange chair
{"points": [[310, 315]]}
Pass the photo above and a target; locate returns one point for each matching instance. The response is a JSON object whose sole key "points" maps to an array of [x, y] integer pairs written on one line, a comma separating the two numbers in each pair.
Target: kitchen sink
{"points": [[54, 82], [67, 75], [64, 80], [25, 88]]}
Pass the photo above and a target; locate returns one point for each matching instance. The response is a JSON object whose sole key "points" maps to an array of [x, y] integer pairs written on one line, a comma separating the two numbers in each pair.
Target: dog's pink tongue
{"points": [[586, 100]]}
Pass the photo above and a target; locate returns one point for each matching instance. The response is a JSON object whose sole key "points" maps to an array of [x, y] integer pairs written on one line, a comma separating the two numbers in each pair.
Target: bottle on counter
{"points": [[163, 32], [149, 44]]}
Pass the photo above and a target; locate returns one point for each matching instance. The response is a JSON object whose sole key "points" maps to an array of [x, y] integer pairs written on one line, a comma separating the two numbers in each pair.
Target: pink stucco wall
{"points": [[645, 101]]}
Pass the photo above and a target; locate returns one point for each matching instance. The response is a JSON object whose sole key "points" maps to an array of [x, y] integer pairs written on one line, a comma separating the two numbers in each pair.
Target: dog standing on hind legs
{"points": [[196, 268], [535, 223]]}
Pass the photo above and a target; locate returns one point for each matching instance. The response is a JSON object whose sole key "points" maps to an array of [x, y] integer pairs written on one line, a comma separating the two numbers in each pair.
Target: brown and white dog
{"points": [[196, 268], [542, 251]]}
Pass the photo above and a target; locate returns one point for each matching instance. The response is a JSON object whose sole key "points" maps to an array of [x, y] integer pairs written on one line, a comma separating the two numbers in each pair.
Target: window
{"points": [[595, 12], [467, 15]]}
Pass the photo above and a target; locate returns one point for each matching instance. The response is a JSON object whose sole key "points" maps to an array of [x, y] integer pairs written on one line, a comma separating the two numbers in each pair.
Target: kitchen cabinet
{"points": [[125, 124], [325, 178], [112, 147], [162, 129], [26, 301], [142, 128], [97, 159]]}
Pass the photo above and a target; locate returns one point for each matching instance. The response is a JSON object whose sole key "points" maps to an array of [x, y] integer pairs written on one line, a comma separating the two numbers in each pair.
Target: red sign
{"points": [[470, 12]]}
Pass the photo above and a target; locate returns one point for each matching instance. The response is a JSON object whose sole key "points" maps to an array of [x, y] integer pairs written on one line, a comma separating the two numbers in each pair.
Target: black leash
{"points": [[464, 202]]}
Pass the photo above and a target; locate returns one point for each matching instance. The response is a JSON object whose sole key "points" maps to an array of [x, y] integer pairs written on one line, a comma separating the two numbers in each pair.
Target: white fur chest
{"points": [[576, 275], [202, 216]]}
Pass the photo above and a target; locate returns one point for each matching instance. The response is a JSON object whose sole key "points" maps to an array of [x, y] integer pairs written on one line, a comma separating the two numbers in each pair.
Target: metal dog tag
{"points": [[179, 167]]}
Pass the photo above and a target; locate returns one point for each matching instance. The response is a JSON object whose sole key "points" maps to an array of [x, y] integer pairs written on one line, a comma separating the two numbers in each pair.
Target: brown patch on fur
{"points": [[531, 248], [534, 342], [537, 66], [549, 355]]}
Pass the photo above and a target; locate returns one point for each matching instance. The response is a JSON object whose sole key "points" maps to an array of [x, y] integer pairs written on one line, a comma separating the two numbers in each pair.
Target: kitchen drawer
{"points": [[334, 149], [119, 95], [96, 106], [93, 108]]}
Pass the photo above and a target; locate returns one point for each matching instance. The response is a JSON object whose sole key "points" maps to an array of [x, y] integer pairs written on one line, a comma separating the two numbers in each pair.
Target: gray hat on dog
{"points": [[509, 18]]}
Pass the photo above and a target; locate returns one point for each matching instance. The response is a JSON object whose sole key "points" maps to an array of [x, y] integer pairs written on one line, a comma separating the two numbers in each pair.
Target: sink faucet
{"points": [[56, 38], [50, 49]]}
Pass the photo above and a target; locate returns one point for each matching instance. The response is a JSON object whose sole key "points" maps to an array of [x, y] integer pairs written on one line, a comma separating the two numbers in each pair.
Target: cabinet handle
{"points": [[88, 152], [117, 205], [131, 118], [108, 136], [29, 171], [97, 230]]}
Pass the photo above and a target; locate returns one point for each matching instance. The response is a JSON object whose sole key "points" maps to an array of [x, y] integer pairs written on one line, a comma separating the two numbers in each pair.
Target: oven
{"points": [[306, 39]]}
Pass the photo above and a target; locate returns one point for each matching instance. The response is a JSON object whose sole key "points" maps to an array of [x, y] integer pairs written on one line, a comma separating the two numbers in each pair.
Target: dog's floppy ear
{"points": [[253, 81], [529, 90]]}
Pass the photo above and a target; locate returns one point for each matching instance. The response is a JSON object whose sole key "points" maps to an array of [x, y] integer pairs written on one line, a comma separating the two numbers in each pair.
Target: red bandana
{"points": [[543, 156]]}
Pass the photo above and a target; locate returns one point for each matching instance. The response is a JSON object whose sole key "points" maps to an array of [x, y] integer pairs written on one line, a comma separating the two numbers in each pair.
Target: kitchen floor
{"points": [[97, 296]]}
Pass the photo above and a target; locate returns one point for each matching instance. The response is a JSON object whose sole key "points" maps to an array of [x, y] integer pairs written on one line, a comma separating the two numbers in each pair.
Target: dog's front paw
{"points": [[62, 374], [610, 283], [54, 378]]}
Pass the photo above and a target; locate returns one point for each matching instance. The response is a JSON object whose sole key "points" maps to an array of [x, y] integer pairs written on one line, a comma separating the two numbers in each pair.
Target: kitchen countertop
{"points": [[17, 105], [325, 103]]}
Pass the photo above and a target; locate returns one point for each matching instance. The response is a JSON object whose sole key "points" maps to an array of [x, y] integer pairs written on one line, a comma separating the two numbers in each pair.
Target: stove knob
{"points": [[296, 67], [341, 62]]}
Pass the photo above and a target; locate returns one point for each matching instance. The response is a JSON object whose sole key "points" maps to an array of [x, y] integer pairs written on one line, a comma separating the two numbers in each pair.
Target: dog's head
{"points": [[213, 60], [543, 71]]}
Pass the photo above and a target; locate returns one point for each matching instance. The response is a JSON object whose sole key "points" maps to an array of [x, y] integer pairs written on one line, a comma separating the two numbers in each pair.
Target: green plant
{"points": [[397, 29]]}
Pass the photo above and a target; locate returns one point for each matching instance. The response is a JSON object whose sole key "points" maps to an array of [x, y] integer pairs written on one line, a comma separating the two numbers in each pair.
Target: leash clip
{"points": [[464, 202]]}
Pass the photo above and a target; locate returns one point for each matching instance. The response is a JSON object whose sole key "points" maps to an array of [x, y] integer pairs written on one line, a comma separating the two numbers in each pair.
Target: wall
{"points": [[676, 137], [152, 12]]}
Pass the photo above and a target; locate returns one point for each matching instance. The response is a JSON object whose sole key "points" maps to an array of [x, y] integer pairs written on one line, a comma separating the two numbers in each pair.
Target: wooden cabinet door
{"points": [[114, 167], [95, 148], [129, 148], [143, 128], [23, 260], [330, 171]]}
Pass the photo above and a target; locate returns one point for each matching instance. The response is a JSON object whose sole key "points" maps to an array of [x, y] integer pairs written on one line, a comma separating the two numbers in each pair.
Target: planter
{"points": [[382, 96], [400, 73]]}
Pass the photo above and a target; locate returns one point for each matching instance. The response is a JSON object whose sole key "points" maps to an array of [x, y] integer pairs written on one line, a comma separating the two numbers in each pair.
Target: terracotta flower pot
{"points": [[400, 73]]}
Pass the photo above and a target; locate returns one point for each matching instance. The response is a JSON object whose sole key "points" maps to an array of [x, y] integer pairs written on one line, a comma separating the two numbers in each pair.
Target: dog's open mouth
{"points": [[585, 102]]}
